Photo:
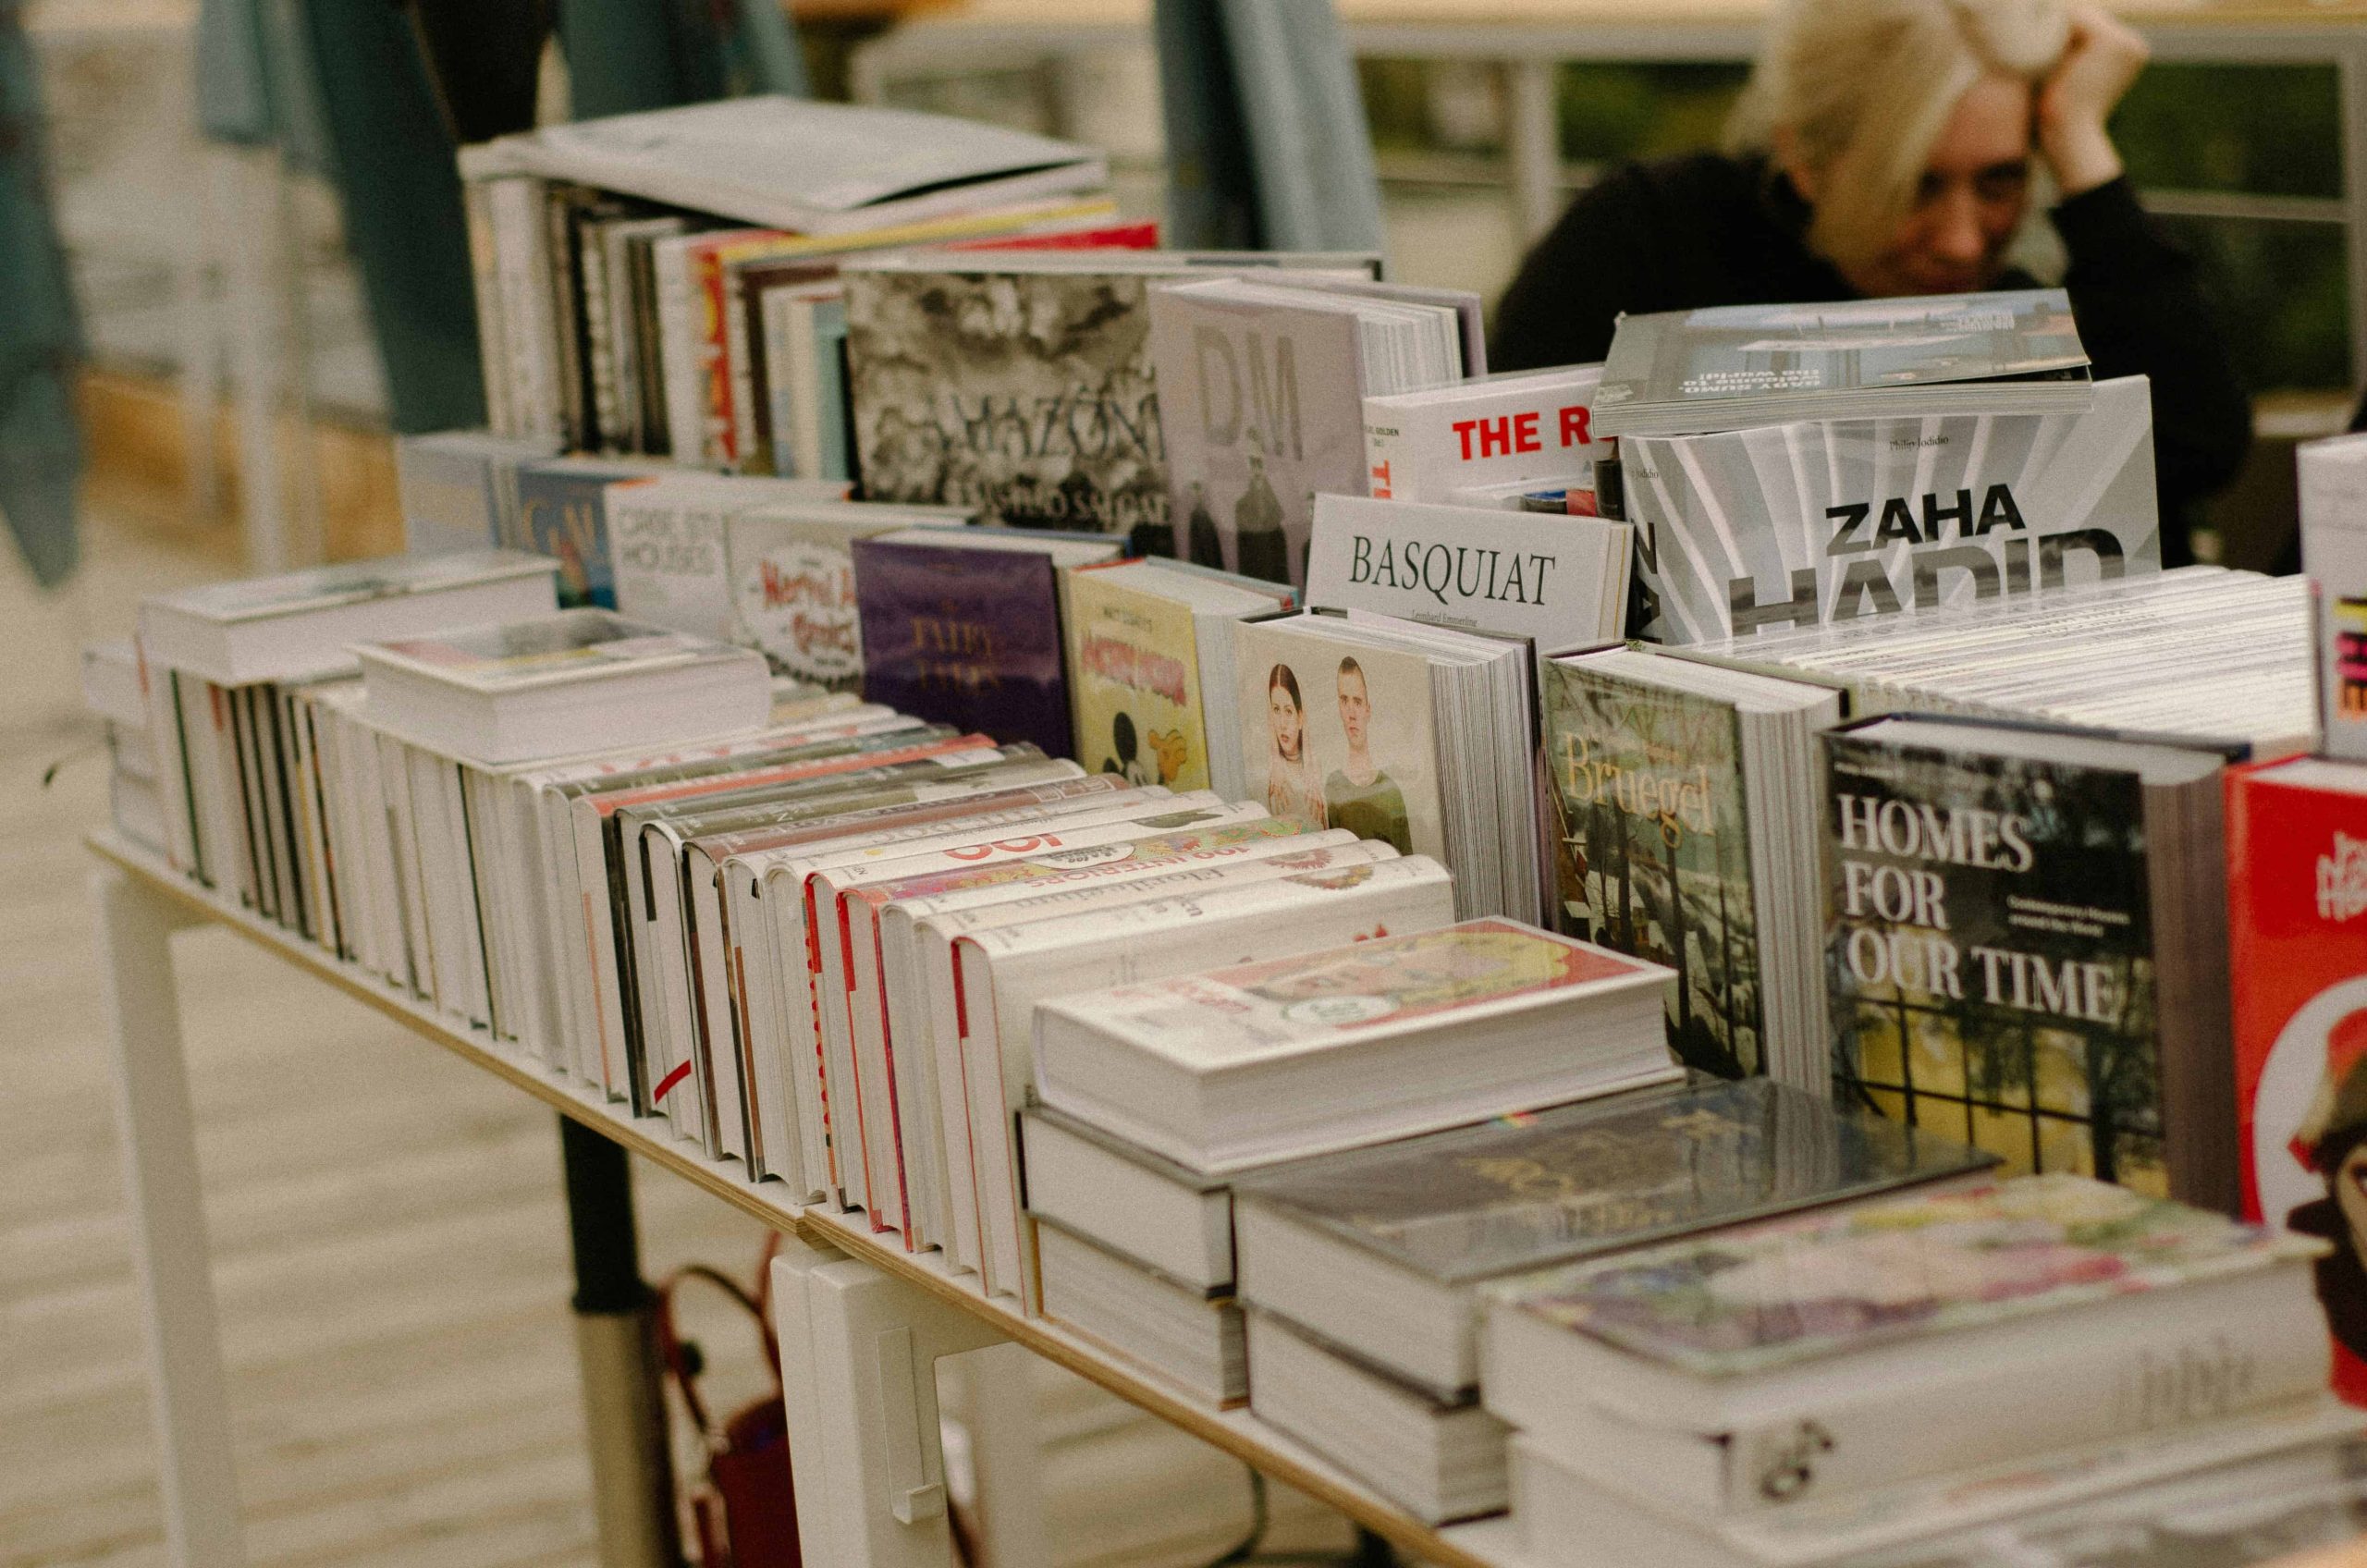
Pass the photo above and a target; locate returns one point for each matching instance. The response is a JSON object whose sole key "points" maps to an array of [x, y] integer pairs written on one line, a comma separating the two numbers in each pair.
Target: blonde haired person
{"points": [[1887, 147]]}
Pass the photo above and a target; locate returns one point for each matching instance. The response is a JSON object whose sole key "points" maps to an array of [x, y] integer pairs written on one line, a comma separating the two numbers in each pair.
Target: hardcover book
{"points": [[2025, 948], [1728, 366], [2297, 892], [2332, 477], [1820, 523], [790, 569], [1523, 426], [667, 546], [1134, 671]]}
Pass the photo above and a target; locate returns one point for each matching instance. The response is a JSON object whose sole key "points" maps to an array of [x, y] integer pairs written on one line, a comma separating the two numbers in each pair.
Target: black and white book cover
{"points": [[1824, 522]]}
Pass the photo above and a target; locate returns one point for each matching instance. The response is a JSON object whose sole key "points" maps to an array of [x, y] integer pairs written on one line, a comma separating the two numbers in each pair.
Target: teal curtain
{"points": [[41, 445], [340, 86], [1267, 143]]}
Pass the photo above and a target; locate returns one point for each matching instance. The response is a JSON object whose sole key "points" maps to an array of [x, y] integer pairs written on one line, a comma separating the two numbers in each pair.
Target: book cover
{"points": [[1826, 523], [563, 513], [2333, 485], [1727, 355], [1787, 1292], [1525, 426], [1339, 734], [1134, 668], [1026, 396], [346, 583], [1262, 408], [1653, 851], [2297, 927], [1528, 1191], [790, 571], [1229, 1018], [966, 637], [1990, 954]]}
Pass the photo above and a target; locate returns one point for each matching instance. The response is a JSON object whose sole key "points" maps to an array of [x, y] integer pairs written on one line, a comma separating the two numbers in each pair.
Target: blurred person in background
{"points": [[1886, 148]]}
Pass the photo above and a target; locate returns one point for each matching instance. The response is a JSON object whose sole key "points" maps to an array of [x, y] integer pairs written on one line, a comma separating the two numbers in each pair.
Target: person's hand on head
{"points": [[2099, 63]]}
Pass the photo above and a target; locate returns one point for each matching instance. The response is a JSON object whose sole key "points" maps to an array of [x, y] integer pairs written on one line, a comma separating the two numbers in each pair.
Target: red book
{"points": [[2297, 925]]}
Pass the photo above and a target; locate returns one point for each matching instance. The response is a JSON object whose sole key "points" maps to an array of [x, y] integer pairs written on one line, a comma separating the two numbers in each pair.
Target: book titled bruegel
{"points": [[1826, 523]]}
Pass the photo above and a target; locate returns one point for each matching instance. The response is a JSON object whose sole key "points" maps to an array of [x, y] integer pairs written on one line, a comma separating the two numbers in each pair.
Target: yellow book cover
{"points": [[1134, 683]]}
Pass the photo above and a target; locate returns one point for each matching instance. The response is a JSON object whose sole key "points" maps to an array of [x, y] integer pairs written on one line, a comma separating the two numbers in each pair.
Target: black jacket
{"points": [[1710, 230]]}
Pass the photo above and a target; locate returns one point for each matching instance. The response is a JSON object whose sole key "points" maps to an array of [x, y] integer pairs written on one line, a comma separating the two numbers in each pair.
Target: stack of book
{"points": [[1163, 1091], [1812, 465], [1362, 1271], [1805, 1389], [666, 283]]}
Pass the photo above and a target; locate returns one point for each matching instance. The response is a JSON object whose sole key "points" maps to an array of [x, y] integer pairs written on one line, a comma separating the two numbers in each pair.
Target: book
{"points": [[1149, 661], [2296, 886], [565, 682], [2027, 947], [1176, 1219], [1674, 372], [297, 623], [1840, 520], [1382, 1251], [1562, 584], [963, 625], [1440, 1460], [1264, 1061], [562, 513], [807, 166], [667, 542], [1803, 1356], [1523, 426], [789, 569], [1418, 735], [1686, 831], [1001, 976], [1262, 405], [1193, 1341], [459, 488], [2332, 497]]}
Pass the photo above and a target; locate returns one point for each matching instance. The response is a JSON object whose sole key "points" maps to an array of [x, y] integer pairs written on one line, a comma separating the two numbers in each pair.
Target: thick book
{"points": [[1381, 1250], [812, 167], [1836, 521], [1685, 830], [571, 682], [1521, 426], [1675, 372], [1263, 1061], [2027, 947], [298, 623], [1191, 1339], [1801, 1358], [563, 513], [964, 626], [2297, 892]]}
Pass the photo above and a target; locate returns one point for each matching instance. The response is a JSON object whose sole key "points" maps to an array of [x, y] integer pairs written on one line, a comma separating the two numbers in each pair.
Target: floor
{"points": [[387, 1231]]}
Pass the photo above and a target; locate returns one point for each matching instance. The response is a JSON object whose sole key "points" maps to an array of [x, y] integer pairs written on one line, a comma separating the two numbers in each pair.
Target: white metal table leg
{"points": [[858, 1350], [199, 1480], [1007, 1447]]}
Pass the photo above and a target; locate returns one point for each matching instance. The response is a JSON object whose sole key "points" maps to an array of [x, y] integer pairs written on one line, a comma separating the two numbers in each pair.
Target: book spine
{"points": [[678, 351], [529, 322], [740, 376], [160, 687], [718, 445], [1390, 469], [2334, 554], [600, 340], [484, 280], [567, 315]]}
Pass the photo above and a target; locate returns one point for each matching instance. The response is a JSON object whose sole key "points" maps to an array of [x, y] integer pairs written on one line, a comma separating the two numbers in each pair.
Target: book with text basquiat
{"points": [[2027, 947], [962, 625], [2297, 931], [1827, 523]]}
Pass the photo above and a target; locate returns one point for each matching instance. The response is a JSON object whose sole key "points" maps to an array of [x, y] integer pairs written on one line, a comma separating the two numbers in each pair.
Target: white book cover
{"points": [[666, 546], [1005, 974], [1520, 426], [1832, 521], [348, 583], [789, 577], [2334, 554], [563, 648], [1560, 582]]}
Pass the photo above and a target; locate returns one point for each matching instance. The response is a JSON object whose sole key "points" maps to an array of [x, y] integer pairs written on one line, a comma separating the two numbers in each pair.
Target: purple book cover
{"points": [[969, 638]]}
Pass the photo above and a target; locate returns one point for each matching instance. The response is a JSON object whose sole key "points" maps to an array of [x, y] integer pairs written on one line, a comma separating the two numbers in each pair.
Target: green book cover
{"points": [[1653, 857]]}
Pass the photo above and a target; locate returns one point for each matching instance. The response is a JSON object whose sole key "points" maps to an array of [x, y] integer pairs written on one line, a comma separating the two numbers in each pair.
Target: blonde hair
{"points": [[1864, 87]]}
